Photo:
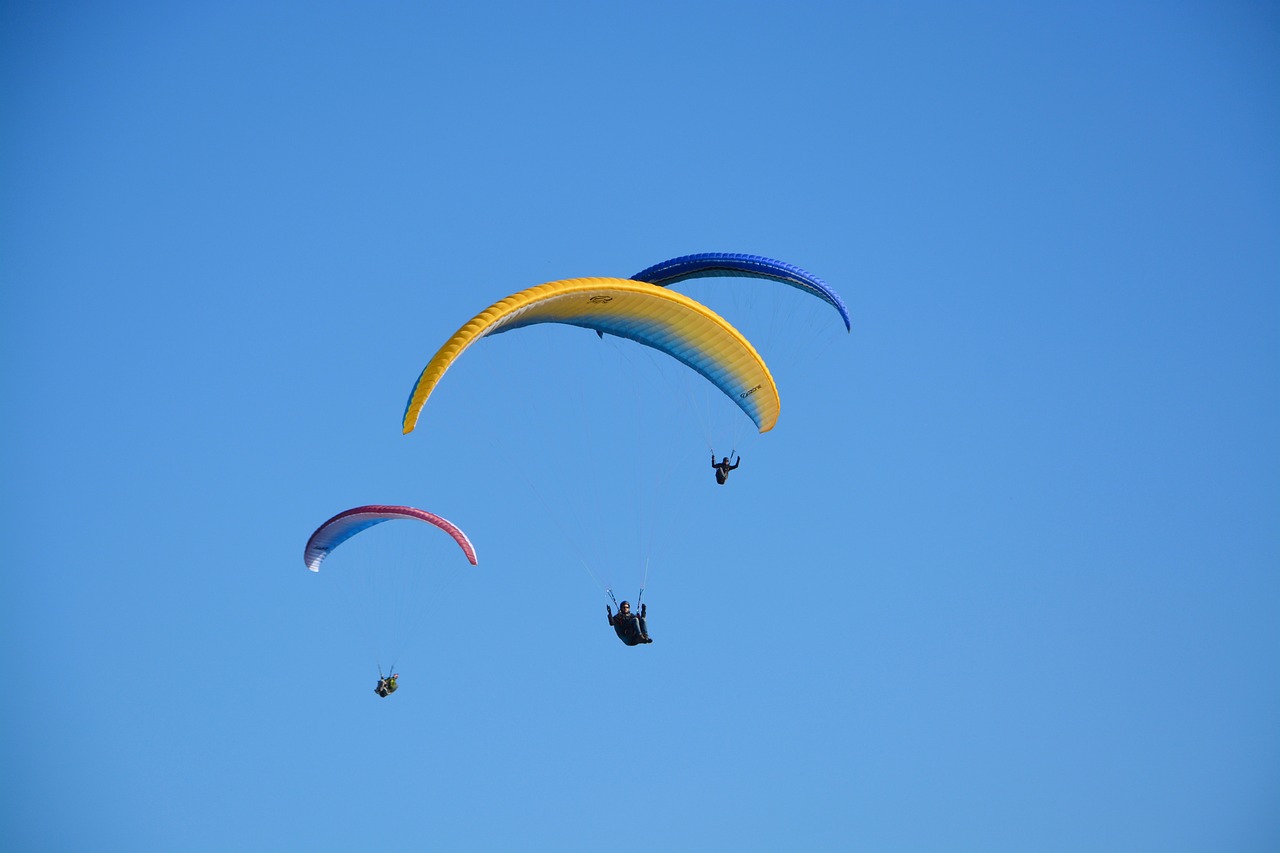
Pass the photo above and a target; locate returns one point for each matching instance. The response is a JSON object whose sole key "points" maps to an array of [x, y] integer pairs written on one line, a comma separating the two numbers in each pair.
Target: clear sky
{"points": [[1006, 576]]}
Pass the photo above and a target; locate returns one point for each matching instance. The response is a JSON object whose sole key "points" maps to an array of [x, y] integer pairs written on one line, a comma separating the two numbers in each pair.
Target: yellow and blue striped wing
{"points": [[653, 316]]}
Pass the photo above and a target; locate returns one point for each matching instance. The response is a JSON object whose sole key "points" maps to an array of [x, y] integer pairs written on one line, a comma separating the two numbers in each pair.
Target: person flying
{"points": [[387, 686], [723, 467], [630, 628]]}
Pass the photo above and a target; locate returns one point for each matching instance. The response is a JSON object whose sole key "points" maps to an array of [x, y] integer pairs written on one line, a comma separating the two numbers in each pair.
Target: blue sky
{"points": [[1005, 577]]}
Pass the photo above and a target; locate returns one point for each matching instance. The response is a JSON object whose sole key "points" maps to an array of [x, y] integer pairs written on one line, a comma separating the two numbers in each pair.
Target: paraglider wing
{"points": [[709, 264], [662, 319], [344, 525]]}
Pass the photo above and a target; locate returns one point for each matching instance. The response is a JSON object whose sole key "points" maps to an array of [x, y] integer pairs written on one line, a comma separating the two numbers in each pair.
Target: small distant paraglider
{"points": [[348, 523]]}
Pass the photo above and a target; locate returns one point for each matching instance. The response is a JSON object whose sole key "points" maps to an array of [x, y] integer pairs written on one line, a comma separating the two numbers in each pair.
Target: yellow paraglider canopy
{"points": [[653, 316]]}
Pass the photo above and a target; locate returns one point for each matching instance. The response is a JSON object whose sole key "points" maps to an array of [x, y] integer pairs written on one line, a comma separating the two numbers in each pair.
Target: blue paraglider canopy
{"points": [[710, 264]]}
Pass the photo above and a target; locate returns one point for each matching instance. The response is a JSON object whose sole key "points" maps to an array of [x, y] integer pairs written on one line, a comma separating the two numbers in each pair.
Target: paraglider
{"points": [[631, 628], [343, 526], [723, 468], [664, 320]]}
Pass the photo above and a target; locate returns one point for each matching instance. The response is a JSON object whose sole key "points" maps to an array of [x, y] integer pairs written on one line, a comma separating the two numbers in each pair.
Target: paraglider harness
{"points": [[386, 685], [723, 468], [637, 635]]}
